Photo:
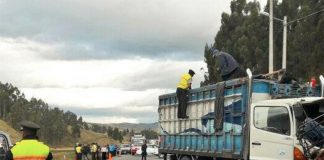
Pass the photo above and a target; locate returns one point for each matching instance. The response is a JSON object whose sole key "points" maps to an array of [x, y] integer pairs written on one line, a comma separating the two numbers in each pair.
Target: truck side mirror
{"points": [[299, 111]]}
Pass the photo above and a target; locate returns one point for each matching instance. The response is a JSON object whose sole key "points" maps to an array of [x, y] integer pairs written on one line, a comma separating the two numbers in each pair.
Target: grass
{"points": [[63, 154], [15, 136], [87, 137]]}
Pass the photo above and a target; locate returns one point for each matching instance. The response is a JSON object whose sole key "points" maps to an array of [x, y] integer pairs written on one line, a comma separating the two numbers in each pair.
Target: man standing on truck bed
{"points": [[228, 66], [29, 147], [182, 90]]}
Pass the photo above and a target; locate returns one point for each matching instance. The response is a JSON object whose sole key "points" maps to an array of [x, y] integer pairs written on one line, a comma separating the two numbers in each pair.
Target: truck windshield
{"points": [[312, 110]]}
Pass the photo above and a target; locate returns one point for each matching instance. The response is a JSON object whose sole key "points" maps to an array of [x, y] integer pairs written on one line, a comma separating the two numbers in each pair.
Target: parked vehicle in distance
{"points": [[151, 150], [135, 147], [125, 148]]}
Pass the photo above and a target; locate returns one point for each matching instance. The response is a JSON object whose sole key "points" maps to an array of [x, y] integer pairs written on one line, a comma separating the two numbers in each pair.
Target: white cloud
{"points": [[124, 53], [113, 119], [132, 84], [95, 97], [116, 28], [34, 72]]}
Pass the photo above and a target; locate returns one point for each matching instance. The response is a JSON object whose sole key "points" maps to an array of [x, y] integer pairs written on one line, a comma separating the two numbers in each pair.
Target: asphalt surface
{"points": [[130, 157]]}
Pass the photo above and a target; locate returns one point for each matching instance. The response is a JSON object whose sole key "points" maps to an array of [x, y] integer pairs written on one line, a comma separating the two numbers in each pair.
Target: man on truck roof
{"points": [[182, 90], [228, 66]]}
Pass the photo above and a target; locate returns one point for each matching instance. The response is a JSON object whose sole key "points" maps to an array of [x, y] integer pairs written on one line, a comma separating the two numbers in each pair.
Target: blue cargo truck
{"points": [[244, 118]]}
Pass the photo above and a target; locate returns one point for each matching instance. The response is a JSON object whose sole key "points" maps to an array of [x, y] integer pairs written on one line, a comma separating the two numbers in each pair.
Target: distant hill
{"points": [[15, 136], [87, 137], [130, 126]]}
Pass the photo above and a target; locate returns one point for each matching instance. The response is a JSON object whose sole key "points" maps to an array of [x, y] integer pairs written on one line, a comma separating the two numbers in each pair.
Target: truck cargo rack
{"points": [[179, 137]]}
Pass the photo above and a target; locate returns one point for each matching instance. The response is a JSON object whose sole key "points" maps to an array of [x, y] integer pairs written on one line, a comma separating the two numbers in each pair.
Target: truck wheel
{"points": [[173, 157], [185, 158]]}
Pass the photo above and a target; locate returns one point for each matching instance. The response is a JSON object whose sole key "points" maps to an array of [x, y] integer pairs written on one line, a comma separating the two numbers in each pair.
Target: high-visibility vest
{"points": [[78, 149], [94, 148], [185, 81], [30, 149]]}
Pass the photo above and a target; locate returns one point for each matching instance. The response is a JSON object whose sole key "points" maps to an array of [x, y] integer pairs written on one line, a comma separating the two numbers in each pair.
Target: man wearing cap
{"points": [[229, 68], [29, 147], [182, 90]]}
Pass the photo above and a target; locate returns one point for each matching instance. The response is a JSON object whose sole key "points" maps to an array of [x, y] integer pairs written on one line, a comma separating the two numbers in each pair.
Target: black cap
{"points": [[29, 125], [191, 72]]}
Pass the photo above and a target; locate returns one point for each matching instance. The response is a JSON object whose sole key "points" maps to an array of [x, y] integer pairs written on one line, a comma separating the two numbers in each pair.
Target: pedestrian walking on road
{"points": [[144, 153], [182, 93], [29, 147]]}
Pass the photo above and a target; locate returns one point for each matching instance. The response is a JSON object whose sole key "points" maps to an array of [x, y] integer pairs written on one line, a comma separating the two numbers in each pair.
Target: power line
{"points": [[306, 16]]}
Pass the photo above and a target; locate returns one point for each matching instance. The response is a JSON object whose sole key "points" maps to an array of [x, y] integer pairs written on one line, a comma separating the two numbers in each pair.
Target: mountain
{"points": [[135, 126]]}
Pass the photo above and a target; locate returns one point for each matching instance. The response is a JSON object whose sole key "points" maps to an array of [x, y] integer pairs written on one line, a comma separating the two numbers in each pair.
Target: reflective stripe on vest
{"points": [[30, 150], [184, 81]]}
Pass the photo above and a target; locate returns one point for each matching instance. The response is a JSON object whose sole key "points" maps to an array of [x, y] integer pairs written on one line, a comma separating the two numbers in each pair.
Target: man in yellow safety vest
{"points": [[182, 90], [94, 151], [78, 152], [29, 147]]}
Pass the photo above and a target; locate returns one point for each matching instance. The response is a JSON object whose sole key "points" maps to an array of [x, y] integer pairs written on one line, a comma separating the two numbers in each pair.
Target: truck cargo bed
{"points": [[198, 134]]}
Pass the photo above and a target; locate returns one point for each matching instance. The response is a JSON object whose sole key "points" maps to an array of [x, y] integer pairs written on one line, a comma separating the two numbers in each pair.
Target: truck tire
{"points": [[173, 157], [185, 158]]}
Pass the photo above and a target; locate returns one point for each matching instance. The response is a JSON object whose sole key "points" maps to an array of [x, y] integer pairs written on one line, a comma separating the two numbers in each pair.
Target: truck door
{"points": [[270, 133]]}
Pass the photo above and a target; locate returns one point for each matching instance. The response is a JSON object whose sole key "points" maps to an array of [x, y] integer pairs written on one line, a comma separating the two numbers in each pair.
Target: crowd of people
{"points": [[94, 151]]}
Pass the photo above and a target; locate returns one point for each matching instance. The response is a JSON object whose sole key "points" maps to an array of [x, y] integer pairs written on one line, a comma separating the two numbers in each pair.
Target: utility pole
{"points": [[271, 37], [284, 44]]}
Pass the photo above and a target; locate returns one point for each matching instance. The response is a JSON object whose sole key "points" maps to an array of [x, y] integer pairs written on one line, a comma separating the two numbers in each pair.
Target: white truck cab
{"points": [[273, 127]]}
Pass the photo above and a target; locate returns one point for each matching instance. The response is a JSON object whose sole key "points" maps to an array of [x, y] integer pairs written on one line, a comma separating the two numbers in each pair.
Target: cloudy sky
{"points": [[106, 60]]}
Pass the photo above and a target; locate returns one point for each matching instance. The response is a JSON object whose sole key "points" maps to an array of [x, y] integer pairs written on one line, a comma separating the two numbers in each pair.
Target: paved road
{"points": [[129, 157]]}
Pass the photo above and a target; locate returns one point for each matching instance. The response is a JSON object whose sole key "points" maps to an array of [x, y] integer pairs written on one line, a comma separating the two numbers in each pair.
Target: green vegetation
{"points": [[56, 125], [150, 134], [15, 136], [63, 154], [244, 34], [58, 128]]}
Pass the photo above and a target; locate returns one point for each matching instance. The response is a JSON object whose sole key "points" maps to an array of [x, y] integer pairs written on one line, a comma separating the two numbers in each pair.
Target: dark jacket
{"points": [[144, 146], [227, 63]]}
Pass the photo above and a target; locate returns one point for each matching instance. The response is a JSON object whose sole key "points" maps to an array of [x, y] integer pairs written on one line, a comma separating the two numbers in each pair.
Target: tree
{"points": [[110, 131], [150, 134], [14, 108], [244, 34]]}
